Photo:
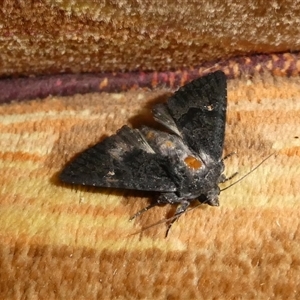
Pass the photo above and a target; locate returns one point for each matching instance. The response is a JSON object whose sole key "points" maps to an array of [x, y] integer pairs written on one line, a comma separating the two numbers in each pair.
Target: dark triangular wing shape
{"points": [[124, 160], [199, 111], [162, 115]]}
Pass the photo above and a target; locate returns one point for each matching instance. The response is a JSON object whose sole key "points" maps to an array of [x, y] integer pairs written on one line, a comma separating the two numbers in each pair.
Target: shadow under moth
{"points": [[183, 163]]}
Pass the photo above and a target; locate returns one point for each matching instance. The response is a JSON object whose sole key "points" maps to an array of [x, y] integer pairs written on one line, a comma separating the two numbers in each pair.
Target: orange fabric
{"points": [[55, 36], [70, 243]]}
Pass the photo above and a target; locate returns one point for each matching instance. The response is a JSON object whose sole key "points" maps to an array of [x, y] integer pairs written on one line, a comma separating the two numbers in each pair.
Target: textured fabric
{"points": [[62, 242], [77, 36], [17, 89]]}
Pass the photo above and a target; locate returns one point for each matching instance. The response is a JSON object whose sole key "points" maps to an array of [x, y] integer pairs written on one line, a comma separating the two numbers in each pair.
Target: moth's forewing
{"points": [[123, 160], [199, 111]]}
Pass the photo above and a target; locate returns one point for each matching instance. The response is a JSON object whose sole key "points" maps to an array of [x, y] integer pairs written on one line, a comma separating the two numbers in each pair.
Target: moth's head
{"points": [[211, 198], [213, 202]]}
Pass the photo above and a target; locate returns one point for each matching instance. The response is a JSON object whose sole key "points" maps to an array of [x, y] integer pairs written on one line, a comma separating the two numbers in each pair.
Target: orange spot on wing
{"points": [[169, 144], [193, 162]]}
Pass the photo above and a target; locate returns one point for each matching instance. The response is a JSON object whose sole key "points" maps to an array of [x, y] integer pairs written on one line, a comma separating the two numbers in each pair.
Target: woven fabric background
{"points": [[41, 37], [62, 242]]}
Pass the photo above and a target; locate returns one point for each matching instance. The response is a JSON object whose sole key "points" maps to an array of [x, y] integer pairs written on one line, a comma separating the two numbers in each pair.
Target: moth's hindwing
{"points": [[124, 160]]}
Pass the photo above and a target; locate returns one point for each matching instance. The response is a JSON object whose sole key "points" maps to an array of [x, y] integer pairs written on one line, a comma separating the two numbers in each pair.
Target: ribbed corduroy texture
{"points": [[58, 242], [76, 36]]}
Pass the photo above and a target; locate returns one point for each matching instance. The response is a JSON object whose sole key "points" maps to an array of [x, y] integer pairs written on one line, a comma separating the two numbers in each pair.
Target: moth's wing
{"points": [[199, 112], [124, 160], [161, 115]]}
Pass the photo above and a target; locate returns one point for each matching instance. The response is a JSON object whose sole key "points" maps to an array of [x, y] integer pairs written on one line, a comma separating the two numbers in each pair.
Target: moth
{"points": [[183, 163]]}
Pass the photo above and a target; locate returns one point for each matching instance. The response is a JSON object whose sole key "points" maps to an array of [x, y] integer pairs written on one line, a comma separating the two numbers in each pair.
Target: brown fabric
{"points": [[17, 89], [51, 36], [58, 242]]}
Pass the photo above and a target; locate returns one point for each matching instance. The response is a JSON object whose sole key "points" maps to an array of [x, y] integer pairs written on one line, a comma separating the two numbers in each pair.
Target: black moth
{"points": [[183, 166]]}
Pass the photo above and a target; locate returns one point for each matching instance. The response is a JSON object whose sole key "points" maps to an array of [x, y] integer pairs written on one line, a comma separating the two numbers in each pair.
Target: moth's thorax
{"points": [[173, 148], [193, 175]]}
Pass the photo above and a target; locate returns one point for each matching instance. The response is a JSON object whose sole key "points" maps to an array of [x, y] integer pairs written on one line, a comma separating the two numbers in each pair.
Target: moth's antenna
{"points": [[255, 168]]}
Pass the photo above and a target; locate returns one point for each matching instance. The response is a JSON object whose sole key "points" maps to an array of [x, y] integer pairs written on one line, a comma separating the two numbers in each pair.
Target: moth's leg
{"points": [[181, 208], [223, 178], [168, 198], [228, 155], [142, 211], [172, 198], [164, 198]]}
